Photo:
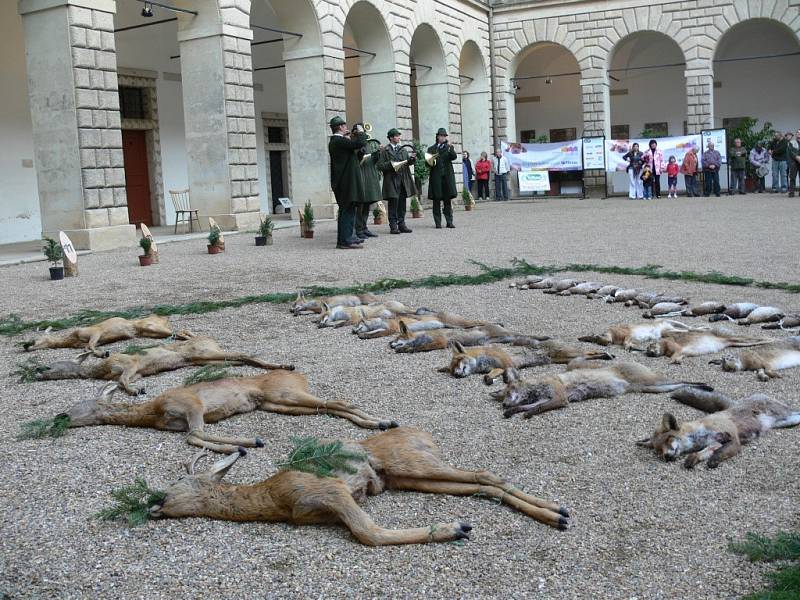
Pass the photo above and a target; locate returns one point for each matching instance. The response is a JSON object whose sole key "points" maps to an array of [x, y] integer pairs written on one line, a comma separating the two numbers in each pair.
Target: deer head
{"points": [[63, 369], [189, 495]]}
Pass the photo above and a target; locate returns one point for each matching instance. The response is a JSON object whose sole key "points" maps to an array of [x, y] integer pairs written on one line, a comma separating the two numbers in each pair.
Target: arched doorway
{"points": [[369, 74], [547, 95], [768, 62], [429, 97], [475, 108]]}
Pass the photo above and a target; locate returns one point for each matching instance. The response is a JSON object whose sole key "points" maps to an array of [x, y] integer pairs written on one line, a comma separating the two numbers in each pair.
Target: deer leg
{"points": [[195, 440], [91, 345], [341, 505], [238, 359], [543, 515], [126, 378], [601, 340], [232, 441]]}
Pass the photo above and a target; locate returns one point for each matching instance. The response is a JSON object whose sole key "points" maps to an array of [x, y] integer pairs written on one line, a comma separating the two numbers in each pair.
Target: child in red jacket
{"points": [[672, 177]]}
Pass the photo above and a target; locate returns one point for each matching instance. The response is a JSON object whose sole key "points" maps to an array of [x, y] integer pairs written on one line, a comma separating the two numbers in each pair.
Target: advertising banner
{"points": [[669, 146], [594, 153], [560, 156], [534, 181], [720, 139]]}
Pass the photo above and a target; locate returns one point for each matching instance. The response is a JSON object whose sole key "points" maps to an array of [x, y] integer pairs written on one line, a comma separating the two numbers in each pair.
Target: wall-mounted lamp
{"points": [[147, 10], [548, 81]]}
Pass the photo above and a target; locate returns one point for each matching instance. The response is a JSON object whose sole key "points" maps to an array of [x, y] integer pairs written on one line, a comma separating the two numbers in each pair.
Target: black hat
{"points": [[392, 132], [442, 131]]}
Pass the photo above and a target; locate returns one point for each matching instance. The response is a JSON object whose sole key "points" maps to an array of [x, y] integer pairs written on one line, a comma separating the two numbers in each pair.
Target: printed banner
{"points": [[720, 139], [534, 181], [594, 153], [560, 156], [669, 146]]}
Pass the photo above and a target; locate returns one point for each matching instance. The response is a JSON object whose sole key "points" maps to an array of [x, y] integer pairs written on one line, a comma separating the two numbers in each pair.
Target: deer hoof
{"points": [[462, 533], [105, 354], [242, 451], [563, 523], [562, 510], [140, 391], [259, 442], [393, 424]]}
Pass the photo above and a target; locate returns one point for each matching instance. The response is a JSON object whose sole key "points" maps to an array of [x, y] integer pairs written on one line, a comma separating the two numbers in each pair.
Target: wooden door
{"points": [[137, 177]]}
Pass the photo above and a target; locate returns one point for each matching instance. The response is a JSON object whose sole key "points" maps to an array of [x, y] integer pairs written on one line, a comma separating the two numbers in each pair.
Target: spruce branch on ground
{"points": [[132, 502], [312, 456], [55, 427], [28, 370], [784, 547], [208, 373]]}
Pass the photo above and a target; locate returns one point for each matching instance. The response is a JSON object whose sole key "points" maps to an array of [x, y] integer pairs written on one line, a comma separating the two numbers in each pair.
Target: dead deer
{"points": [[679, 344], [581, 381], [189, 408], [106, 332], [721, 434], [766, 362], [622, 295], [493, 362], [380, 327], [558, 286], [582, 289], [650, 299], [301, 306], [635, 337], [128, 368], [342, 316], [763, 314], [398, 459], [425, 341], [787, 322], [607, 291]]}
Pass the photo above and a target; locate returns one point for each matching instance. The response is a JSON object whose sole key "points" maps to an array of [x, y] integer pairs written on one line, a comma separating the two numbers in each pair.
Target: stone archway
{"points": [[475, 101], [429, 85]]}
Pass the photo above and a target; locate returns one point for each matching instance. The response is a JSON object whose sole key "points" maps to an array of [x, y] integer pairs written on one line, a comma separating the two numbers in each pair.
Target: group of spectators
{"points": [[645, 168], [479, 174]]}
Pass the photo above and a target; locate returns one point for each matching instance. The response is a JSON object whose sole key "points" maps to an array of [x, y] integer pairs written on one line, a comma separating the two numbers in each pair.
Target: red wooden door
{"points": [[137, 178]]}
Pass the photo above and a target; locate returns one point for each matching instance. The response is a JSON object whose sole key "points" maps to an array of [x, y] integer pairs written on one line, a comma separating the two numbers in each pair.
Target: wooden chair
{"points": [[184, 210]]}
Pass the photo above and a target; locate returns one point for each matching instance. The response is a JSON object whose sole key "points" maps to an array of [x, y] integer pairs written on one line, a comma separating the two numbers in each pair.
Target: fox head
{"points": [[461, 363], [666, 440], [367, 325], [328, 315], [518, 391], [301, 305], [406, 341]]}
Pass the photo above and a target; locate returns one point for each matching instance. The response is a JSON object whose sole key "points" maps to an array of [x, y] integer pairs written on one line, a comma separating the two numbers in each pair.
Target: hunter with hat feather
{"points": [[442, 181], [397, 185]]}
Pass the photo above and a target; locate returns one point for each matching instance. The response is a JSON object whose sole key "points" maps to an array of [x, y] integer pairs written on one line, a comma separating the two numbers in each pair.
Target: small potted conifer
{"points": [[214, 240], [377, 216], [146, 244], [416, 209], [55, 254], [466, 197], [264, 237], [308, 220]]}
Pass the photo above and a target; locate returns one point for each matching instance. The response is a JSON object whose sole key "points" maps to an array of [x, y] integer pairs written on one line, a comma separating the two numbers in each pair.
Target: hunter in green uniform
{"points": [[397, 184], [346, 181], [372, 189], [442, 182]]}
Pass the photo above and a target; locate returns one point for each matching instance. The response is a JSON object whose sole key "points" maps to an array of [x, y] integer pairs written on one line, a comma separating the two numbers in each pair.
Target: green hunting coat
{"points": [[737, 157], [442, 181], [347, 182], [391, 178], [372, 178]]}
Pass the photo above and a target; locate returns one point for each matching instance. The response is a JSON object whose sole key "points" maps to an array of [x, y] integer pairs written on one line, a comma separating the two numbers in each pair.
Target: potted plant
{"points": [[377, 216], [265, 232], [416, 209], [466, 197], [214, 243], [146, 259], [422, 171], [308, 220], [747, 132], [55, 254]]}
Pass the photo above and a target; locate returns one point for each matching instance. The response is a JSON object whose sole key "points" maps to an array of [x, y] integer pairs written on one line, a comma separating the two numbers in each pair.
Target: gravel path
{"points": [[643, 528]]}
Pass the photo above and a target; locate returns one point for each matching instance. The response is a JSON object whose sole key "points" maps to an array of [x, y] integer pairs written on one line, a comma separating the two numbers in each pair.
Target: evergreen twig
{"points": [[55, 427], [133, 502], [28, 370], [312, 456], [784, 547], [208, 373]]}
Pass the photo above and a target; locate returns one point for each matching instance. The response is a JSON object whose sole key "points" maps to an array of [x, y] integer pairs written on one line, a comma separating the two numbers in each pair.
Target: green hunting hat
{"points": [[392, 132], [336, 121], [442, 131]]}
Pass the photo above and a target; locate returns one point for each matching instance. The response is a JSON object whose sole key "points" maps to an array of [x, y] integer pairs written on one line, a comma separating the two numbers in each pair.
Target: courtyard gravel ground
{"points": [[643, 528]]}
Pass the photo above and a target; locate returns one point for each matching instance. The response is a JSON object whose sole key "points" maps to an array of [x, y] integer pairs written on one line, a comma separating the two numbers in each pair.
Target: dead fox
{"points": [[301, 306], [493, 362], [720, 435], [189, 408], [582, 380], [766, 362], [374, 328], [636, 337], [341, 316], [425, 341], [679, 344], [106, 332]]}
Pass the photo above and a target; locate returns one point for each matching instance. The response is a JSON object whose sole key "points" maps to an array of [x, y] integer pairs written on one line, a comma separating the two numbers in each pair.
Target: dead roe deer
{"points": [[582, 380], [127, 368], [679, 344], [106, 332], [767, 361], [721, 434], [398, 459], [189, 407]]}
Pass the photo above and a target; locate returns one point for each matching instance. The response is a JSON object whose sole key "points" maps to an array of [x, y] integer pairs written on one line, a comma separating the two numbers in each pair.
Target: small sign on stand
{"points": [[153, 248], [70, 256]]}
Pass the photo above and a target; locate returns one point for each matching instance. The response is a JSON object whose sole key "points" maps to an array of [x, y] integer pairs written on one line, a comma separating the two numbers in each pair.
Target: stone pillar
{"points": [[699, 98], [72, 86], [596, 123], [310, 109], [219, 116]]}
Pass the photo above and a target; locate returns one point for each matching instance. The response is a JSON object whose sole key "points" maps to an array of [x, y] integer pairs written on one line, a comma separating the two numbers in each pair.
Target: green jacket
{"points": [[372, 178], [442, 182], [391, 178], [737, 157], [347, 182], [778, 149]]}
